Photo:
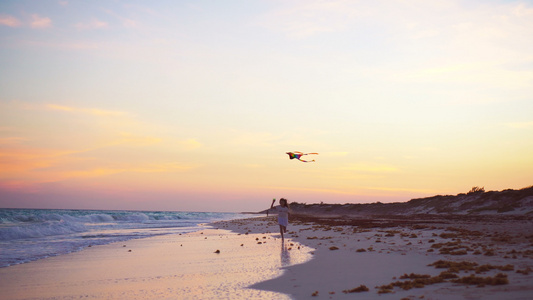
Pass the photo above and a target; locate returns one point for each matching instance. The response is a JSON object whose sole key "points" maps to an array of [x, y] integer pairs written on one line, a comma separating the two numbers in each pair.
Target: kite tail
{"points": [[306, 160]]}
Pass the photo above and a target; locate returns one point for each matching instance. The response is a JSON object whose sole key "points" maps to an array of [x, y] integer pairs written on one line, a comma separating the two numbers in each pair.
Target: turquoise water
{"points": [[30, 234]]}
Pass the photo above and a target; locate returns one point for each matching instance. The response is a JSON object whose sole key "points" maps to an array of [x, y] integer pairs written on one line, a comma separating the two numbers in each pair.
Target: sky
{"points": [[192, 105]]}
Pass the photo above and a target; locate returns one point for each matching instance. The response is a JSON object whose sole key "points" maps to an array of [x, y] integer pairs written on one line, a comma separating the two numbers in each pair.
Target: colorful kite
{"points": [[298, 155]]}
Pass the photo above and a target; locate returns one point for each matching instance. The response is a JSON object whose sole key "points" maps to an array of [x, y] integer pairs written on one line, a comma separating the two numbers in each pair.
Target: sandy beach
{"points": [[477, 258], [321, 258]]}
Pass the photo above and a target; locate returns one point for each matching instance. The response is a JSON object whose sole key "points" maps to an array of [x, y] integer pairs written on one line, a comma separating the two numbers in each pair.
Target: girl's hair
{"points": [[284, 200]]}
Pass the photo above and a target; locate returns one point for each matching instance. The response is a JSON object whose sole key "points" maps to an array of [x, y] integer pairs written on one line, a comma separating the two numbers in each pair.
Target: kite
{"points": [[298, 155]]}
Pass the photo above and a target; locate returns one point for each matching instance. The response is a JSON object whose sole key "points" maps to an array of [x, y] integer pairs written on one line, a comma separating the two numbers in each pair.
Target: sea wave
{"points": [[40, 229], [30, 234], [23, 224]]}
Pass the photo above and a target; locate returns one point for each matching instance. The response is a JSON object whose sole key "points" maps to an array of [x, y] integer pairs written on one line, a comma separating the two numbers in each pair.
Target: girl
{"points": [[283, 215]]}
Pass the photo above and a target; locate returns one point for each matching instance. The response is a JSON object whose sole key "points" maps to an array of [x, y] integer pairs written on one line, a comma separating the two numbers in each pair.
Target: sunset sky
{"points": [[191, 105]]}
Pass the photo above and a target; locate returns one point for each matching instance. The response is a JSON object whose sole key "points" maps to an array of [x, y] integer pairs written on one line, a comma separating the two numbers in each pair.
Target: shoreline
{"points": [[180, 266], [387, 253], [32, 234]]}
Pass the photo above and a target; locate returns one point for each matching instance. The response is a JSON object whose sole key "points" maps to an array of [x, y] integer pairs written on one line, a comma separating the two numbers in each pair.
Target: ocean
{"points": [[31, 234]]}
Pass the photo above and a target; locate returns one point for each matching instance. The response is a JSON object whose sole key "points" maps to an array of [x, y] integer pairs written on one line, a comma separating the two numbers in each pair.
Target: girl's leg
{"points": [[281, 231]]}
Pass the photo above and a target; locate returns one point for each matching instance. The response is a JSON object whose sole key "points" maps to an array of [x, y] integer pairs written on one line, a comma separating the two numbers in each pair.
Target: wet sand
{"points": [[166, 267]]}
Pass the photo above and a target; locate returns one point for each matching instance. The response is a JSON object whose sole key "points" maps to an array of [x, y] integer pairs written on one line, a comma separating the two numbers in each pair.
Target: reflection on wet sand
{"points": [[285, 255]]}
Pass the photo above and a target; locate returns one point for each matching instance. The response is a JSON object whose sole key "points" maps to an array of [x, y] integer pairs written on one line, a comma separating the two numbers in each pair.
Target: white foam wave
{"points": [[37, 230]]}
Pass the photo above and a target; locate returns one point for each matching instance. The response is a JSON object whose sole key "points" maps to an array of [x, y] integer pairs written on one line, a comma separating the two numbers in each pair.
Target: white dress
{"points": [[283, 215]]}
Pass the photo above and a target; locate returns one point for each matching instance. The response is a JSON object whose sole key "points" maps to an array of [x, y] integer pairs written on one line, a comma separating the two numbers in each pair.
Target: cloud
{"points": [[360, 190], [86, 145], [9, 21], [40, 22], [126, 22], [449, 32], [94, 24], [409, 190], [19, 163], [91, 111], [521, 10], [520, 125], [67, 45], [314, 190], [337, 153], [103, 171], [25, 163], [254, 166], [129, 23], [242, 137], [26, 169], [190, 144], [11, 140], [18, 185], [131, 139], [371, 168], [302, 19], [19, 105]]}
